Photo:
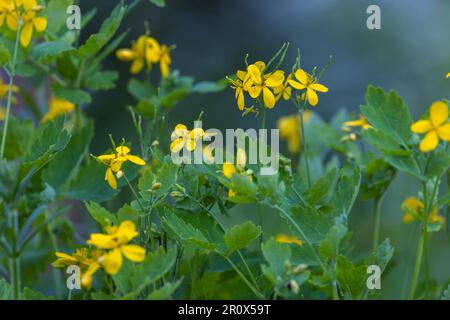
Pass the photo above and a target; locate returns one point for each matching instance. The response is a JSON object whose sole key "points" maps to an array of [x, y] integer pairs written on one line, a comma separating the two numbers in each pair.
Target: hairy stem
{"points": [[305, 151]]}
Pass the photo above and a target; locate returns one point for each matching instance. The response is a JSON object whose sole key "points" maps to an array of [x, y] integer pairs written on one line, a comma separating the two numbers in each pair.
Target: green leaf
{"points": [[19, 139], [185, 231], [346, 192], [5, 290], [76, 96], [102, 80], [50, 50], [159, 3], [165, 292], [438, 165], [56, 14], [351, 278], [384, 142], [174, 89], [329, 247], [243, 186], [100, 214], [4, 55], [388, 112], [66, 163], [323, 187], [276, 254], [315, 225], [141, 90], [405, 165], [241, 235], [167, 176], [445, 294], [29, 294], [109, 27]]}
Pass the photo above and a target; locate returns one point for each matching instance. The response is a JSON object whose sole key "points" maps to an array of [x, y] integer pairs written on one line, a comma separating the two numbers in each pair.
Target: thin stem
{"points": [[305, 152], [12, 74], [247, 282], [376, 222], [416, 271], [263, 124], [260, 221]]}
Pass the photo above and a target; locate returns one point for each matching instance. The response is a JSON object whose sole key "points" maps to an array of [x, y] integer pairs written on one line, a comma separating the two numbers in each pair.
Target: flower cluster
{"points": [[267, 87], [182, 137], [115, 160], [413, 210], [23, 15], [107, 254], [145, 52]]}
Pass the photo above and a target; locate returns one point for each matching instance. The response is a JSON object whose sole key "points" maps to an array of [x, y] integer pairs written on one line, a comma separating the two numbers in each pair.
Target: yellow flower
{"points": [[413, 210], [240, 85], [7, 12], [283, 90], [28, 10], [289, 127], [448, 75], [2, 114], [4, 90], [181, 137], [164, 60], [116, 241], [57, 107], [86, 260], [435, 128], [229, 169], [361, 122], [114, 162], [144, 51], [282, 238], [308, 82], [263, 82]]}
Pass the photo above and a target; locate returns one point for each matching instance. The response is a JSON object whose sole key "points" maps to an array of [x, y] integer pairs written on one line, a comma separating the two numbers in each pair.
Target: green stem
{"points": [[12, 74], [260, 222], [305, 152], [376, 223], [416, 271], [247, 282], [263, 124]]}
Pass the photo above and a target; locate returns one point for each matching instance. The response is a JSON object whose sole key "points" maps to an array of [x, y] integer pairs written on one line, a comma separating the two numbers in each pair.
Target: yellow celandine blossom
{"points": [[262, 83], [240, 85], [116, 242], [284, 90], [229, 169], [283, 238], [289, 127], [361, 122], [87, 260], [28, 10], [181, 137], [114, 162], [145, 52], [436, 127], [8, 12], [58, 107], [308, 82], [413, 210], [448, 75]]}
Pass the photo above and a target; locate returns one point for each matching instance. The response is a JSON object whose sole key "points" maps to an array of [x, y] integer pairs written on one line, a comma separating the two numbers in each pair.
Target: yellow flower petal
{"points": [[275, 79], [430, 142], [177, 145], [191, 145], [296, 85], [240, 100], [133, 252], [268, 98], [318, 87], [101, 241], [26, 34], [40, 23], [181, 130], [122, 150], [109, 176], [444, 132], [241, 157], [196, 133], [137, 66], [421, 126], [448, 75], [125, 54], [255, 73], [301, 76], [112, 261], [255, 91], [313, 99], [127, 231], [282, 238], [438, 113], [135, 160], [228, 170]]}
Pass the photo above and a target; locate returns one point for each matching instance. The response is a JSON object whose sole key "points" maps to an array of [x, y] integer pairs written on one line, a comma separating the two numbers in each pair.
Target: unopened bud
{"points": [[156, 185], [287, 265], [300, 268], [176, 194], [180, 188], [119, 174], [38, 8], [293, 286], [155, 143]]}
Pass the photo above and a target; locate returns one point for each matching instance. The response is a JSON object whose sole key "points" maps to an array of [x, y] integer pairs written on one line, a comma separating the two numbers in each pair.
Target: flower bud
{"points": [[156, 185], [293, 286], [119, 174], [300, 268], [180, 188], [155, 143]]}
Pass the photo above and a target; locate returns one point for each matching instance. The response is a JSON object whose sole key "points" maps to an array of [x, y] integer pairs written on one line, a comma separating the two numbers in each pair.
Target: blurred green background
{"points": [[410, 54]]}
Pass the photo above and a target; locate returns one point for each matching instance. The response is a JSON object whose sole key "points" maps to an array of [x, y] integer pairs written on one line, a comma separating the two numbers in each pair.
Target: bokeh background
{"points": [[410, 54]]}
